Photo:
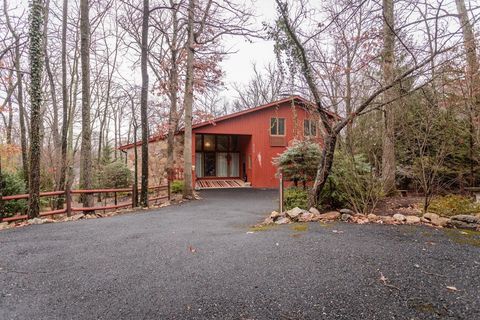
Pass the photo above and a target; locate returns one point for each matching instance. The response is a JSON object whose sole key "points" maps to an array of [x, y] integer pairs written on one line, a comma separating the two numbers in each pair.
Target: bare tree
{"points": [[36, 71], [86, 152], [144, 104]]}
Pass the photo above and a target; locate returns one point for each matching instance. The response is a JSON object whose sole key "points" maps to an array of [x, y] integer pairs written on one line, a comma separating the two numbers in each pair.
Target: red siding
{"points": [[257, 125]]}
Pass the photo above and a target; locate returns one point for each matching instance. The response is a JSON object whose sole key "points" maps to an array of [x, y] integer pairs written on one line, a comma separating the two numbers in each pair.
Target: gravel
{"points": [[200, 260]]}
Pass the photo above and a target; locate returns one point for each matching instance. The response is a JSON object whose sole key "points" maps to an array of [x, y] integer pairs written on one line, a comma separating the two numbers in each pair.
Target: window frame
{"points": [[277, 134], [310, 124]]}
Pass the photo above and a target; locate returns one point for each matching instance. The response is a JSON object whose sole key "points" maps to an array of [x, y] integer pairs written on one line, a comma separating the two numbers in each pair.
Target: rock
{"points": [[4, 225], [440, 221], [35, 221], [294, 213], [314, 211], [283, 220], [466, 218], [347, 211], [399, 217], [346, 217], [412, 219], [268, 220], [332, 215], [430, 216], [275, 214], [372, 217], [386, 219], [76, 217], [462, 225], [306, 217]]}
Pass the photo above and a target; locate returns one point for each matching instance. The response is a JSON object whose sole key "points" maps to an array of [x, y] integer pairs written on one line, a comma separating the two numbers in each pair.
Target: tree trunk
{"points": [[36, 70], [323, 170], [144, 105], [188, 105], [63, 160], [86, 152], [388, 65], [473, 78], [173, 93]]}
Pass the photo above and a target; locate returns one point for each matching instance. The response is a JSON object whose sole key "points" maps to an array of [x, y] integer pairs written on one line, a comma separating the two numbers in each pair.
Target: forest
{"points": [[78, 79]]}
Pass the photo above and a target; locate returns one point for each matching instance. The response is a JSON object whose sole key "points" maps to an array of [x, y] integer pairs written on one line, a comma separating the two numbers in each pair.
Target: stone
{"points": [[347, 211], [77, 216], [346, 217], [275, 214], [283, 220], [463, 225], [430, 216], [440, 221], [399, 217], [268, 220], [412, 219], [35, 221], [306, 217], [466, 218], [332, 215], [314, 210], [4, 225], [372, 217], [294, 213], [386, 219]]}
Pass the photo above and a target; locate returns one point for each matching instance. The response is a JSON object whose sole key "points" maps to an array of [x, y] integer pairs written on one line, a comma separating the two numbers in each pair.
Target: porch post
{"points": [[194, 143]]}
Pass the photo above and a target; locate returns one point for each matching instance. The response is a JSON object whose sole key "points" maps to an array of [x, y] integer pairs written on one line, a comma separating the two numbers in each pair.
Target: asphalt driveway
{"points": [[198, 260]]}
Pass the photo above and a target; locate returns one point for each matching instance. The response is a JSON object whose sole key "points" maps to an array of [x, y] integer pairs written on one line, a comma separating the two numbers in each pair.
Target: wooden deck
{"points": [[220, 183]]}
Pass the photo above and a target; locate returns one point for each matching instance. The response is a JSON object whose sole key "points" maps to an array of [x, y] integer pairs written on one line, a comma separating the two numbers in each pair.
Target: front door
{"points": [[210, 165]]}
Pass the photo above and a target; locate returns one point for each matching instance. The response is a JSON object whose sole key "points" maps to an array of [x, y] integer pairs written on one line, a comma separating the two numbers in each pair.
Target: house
{"points": [[237, 149]]}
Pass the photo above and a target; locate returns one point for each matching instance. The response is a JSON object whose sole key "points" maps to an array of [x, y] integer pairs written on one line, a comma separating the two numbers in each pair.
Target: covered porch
{"points": [[221, 161]]}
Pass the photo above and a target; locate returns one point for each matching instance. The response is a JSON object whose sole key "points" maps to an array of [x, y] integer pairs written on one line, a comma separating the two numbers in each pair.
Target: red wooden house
{"points": [[238, 149]]}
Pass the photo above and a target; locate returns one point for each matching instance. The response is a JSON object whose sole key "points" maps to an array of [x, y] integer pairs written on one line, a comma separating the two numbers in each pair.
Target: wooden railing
{"points": [[68, 209]]}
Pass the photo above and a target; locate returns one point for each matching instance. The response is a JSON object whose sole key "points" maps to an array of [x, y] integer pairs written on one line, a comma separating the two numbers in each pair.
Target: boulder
{"points": [[268, 220], [332, 215], [440, 221], [372, 217], [412, 219], [466, 218], [347, 211], [275, 214], [430, 216], [314, 210], [4, 225], [35, 221], [399, 217], [462, 225], [346, 217], [306, 217], [283, 220], [386, 219], [294, 213], [76, 217]]}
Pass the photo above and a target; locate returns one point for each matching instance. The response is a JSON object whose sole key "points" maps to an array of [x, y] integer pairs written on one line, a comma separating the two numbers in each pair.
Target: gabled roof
{"points": [[299, 100]]}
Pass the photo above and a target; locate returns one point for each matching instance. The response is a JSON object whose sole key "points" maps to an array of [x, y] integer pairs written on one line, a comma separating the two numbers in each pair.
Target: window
{"points": [[309, 128], [209, 142], [277, 126]]}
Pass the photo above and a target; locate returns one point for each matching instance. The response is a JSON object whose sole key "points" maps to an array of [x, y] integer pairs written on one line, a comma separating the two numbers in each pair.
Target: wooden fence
{"points": [[68, 209]]}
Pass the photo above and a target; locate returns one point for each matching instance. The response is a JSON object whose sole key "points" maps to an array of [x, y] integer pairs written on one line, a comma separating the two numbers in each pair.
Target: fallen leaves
{"points": [[192, 249], [384, 281], [452, 288]]}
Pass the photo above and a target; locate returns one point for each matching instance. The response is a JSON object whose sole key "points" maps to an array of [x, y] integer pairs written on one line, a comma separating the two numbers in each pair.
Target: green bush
{"points": [[177, 186], [114, 175], [295, 197], [299, 162], [355, 182], [451, 205], [13, 184]]}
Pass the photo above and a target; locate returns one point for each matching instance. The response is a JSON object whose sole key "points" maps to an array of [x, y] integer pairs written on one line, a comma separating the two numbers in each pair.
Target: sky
{"points": [[238, 66]]}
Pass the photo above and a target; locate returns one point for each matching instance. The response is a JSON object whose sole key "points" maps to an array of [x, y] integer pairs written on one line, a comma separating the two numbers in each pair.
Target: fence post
{"points": [[168, 189], [68, 199], [2, 205], [280, 176], [115, 197]]}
